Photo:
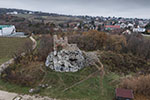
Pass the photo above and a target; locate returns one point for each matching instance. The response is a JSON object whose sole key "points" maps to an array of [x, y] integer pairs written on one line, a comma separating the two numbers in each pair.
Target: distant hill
{"points": [[38, 16], [21, 11], [5, 11]]}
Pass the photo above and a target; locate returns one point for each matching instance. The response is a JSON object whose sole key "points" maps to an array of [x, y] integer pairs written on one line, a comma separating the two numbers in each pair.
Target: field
{"points": [[55, 19], [8, 46]]}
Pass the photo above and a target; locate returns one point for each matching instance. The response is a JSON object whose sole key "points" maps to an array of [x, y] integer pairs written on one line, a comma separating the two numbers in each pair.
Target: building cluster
{"points": [[15, 12], [84, 23], [127, 25]]}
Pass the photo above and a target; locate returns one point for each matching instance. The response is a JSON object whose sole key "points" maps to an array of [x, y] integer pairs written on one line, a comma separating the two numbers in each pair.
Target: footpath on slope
{"points": [[34, 42]]}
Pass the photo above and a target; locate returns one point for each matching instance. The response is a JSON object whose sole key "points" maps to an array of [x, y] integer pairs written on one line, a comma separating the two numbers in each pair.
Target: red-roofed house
{"points": [[124, 94], [112, 27]]}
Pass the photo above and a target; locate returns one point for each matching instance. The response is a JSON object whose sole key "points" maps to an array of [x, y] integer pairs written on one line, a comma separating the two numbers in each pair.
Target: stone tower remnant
{"points": [[65, 57]]}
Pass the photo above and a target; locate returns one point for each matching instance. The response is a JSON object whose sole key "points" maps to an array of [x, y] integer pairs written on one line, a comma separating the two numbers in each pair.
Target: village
{"points": [[108, 24], [111, 25]]}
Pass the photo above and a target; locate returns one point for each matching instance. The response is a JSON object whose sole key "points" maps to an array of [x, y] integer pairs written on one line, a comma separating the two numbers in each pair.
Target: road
{"points": [[14, 96]]}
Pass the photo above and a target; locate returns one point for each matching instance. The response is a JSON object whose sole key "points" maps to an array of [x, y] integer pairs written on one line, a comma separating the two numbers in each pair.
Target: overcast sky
{"points": [[119, 8]]}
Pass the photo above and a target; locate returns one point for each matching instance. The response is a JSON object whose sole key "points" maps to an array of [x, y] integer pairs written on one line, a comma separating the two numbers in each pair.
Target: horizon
{"points": [[73, 14], [107, 8]]}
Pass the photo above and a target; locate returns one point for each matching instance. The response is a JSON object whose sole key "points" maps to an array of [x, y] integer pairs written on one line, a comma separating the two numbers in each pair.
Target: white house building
{"points": [[6, 30], [139, 30], [130, 25]]}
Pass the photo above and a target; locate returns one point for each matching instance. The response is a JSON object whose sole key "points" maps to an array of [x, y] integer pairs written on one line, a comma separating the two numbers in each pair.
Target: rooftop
{"points": [[4, 26], [112, 26], [125, 93]]}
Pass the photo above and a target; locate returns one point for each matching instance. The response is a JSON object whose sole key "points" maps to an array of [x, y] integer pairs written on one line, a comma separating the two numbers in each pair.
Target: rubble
{"points": [[35, 90]]}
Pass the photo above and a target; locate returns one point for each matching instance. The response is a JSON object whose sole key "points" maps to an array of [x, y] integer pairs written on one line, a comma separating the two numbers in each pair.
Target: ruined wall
{"points": [[63, 43], [69, 58]]}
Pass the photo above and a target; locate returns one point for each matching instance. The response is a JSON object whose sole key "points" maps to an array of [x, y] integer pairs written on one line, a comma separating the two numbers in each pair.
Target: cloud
{"points": [[125, 8]]}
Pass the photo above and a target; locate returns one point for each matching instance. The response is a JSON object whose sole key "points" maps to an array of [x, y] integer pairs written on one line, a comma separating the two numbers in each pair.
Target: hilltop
{"points": [[118, 43]]}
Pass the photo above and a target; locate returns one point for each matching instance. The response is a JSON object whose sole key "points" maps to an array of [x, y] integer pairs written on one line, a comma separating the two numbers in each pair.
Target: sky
{"points": [[118, 8]]}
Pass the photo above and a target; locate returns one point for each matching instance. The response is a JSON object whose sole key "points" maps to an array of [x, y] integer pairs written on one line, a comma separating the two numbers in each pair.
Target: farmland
{"points": [[51, 19], [8, 46]]}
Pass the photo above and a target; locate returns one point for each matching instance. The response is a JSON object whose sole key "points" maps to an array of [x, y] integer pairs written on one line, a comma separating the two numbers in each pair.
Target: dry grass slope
{"points": [[8, 46], [140, 85]]}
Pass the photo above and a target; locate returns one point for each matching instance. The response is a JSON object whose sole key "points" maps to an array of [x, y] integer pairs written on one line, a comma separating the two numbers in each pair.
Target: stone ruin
{"points": [[67, 57]]}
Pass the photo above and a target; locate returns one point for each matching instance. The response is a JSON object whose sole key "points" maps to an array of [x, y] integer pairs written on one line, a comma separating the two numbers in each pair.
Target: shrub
{"points": [[26, 50], [89, 41], [24, 74], [94, 40], [140, 84], [116, 43], [124, 63], [28, 47], [138, 45], [45, 47]]}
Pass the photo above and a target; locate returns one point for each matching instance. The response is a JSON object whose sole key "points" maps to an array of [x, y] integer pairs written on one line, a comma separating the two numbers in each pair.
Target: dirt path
{"points": [[13, 96], [34, 42]]}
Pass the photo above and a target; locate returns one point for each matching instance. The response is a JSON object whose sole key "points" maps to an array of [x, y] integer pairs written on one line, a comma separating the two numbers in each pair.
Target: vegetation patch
{"points": [[6, 86], [124, 63], [139, 84], [8, 46], [89, 89], [87, 84], [24, 74]]}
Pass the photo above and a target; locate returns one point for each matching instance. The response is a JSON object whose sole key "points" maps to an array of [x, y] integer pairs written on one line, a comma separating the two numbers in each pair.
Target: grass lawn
{"points": [[89, 89], [10, 45], [13, 87]]}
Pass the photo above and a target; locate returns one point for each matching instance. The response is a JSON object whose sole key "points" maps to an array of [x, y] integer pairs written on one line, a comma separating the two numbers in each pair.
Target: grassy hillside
{"points": [[89, 89], [10, 45]]}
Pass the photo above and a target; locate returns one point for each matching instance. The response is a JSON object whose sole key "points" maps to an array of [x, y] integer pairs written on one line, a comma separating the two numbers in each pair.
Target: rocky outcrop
{"points": [[66, 60], [68, 57]]}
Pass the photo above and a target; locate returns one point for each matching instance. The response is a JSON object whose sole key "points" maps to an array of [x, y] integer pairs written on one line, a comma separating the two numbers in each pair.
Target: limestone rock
{"points": [[66, 61], [69, 58]]}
